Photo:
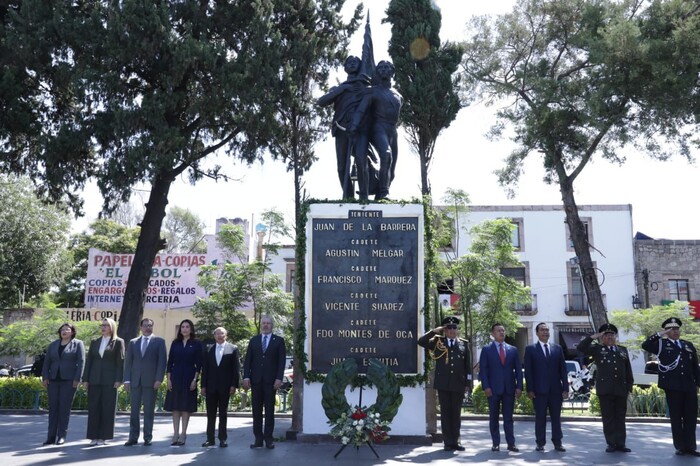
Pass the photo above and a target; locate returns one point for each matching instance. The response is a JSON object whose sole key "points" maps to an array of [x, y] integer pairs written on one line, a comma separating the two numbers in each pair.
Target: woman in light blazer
{"points": [[104, 373], [61, 375]]}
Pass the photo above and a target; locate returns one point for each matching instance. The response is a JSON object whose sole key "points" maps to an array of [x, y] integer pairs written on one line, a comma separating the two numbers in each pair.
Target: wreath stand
{"points": [[369, 444]]}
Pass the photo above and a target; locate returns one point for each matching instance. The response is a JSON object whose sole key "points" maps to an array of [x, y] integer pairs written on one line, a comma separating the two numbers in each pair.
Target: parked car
{"points": [[25, 371]]}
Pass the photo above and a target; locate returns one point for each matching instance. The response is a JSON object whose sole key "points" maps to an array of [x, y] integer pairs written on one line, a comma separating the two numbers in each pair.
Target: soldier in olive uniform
{"points": [[679, 376], [614, 382], [453, 376]]}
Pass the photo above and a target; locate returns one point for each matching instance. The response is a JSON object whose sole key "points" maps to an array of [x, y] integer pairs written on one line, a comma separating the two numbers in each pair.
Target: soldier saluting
{"points": [[613, 383], [453, 376], [679, 377]]}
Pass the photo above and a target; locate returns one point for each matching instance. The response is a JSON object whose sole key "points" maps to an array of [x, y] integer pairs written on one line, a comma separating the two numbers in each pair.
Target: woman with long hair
{"points": [[61, 375], [184, 366], [104, 373]]}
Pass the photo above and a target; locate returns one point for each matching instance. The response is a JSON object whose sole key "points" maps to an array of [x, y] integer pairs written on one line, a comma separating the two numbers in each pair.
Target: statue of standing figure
{"points": [[365, 114]]}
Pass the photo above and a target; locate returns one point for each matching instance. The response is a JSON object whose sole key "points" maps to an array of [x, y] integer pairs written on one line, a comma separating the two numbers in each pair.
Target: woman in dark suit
{"points": [[104, 373], [184, 366], [61, 374]]}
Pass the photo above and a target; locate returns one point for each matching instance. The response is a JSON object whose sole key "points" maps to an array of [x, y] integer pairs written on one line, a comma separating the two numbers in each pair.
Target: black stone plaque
{"points": [[364, 290]]}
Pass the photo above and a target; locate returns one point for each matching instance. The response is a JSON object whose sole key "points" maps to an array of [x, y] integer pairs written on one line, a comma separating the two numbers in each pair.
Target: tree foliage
{"points": [[183, 231], [575, 78], [426, 75], [33, 237]]}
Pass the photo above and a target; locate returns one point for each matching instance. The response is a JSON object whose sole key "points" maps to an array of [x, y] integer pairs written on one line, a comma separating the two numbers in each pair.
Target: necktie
{"points": [[219, 353], [502, 353], [452, 343], [678, 343], [546, 350], [144, 345], [264, 343]]}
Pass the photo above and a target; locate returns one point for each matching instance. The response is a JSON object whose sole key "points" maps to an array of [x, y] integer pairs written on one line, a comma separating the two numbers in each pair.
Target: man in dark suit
{"points": [[547, 385], [144, 369], [502, 379], [452, 376], [220, 377], [679, 377], [263, 370], [613, 383]]}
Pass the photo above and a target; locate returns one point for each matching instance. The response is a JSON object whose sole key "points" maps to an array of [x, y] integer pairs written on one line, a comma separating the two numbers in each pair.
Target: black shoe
{"points": [[130, 443], [269, 445], [610, 449], [559, 448], [147, 443], [448, 448], [680, 452], [495, 448], [60, 441], [539, 448], [623, 449], [49, 442], [209, 443], [256, 445], [513, 448], [223, 444], [692, 452], [458, 447]]}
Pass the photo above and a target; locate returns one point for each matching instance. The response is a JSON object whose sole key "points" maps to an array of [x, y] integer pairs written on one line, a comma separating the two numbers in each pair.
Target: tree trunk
{"points": [[424, 164], [147, 248], [579, 237], [298, 382]]}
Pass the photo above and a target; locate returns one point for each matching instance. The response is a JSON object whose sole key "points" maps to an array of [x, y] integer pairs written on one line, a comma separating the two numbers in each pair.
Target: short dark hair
{"points": [[179, 331], [537, 327], [497, 324], [145, 319], [70, 326]]}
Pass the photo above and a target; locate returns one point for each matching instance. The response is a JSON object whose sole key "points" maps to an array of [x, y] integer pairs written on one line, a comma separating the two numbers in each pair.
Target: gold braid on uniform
{"points": [[440, 351]]}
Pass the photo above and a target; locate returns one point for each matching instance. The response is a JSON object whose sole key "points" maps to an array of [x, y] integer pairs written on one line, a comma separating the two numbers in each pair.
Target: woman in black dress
{"points": [[184, 366]]}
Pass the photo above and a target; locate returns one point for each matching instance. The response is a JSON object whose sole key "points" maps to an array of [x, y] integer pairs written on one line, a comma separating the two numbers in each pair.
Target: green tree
{"points": [[183, 231], [33, 237], [103, 234], [568, 77], [137, 92], [426, 76]]}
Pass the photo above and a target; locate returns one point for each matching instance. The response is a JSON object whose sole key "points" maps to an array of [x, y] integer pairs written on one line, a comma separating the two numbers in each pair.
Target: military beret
{"points": [[452, 320], [672, 322], [607, 328]]}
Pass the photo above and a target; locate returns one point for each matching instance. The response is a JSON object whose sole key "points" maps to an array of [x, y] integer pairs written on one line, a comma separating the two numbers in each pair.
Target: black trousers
{"points": [[102, 407], [263, 396], [683, 411], [613, 410], [217, 400], [450, 416]]}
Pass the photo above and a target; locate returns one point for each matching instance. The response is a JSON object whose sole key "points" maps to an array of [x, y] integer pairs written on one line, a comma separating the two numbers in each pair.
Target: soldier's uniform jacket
{"points": [[452, 365], [613, 368], [678, 367]]}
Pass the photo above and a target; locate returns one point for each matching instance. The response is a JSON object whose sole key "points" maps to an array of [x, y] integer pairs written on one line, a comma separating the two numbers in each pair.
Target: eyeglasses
{"points": [[104, 325], [451, 326]]}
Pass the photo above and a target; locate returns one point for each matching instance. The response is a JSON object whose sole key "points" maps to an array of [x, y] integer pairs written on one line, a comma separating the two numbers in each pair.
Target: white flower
{"points": [[361, 422], [359, 428], [345, 440], [354, 423]]}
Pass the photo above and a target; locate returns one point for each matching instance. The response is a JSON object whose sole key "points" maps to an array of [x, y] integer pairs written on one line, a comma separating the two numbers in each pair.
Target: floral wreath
{"points": [[360, 425]]}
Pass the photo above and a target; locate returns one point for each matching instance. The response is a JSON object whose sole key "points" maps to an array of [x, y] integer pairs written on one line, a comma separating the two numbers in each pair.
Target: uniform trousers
{"points": [[613, 409], [450, 415], [683, 409]]}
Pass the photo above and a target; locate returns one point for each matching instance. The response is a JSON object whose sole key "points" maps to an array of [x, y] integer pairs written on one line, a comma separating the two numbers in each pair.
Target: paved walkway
{"points": [[22, 436]]}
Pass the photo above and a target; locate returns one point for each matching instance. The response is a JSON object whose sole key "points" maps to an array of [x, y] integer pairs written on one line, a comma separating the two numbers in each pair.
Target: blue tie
{"points": [[546, 350], [264, 343]]}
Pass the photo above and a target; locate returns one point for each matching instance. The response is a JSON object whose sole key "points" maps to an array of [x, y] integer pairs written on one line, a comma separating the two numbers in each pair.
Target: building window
{"points": [[291, 285], [678, 290], [522, 276], [517, 235], [576, 300], [516, 273], [588, 225]]}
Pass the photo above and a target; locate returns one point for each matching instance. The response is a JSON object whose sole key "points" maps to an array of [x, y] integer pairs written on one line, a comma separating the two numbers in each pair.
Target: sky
{"points": [[662, 194]]}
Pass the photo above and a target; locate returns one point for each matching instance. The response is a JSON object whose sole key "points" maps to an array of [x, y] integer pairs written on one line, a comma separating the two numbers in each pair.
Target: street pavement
{"points": [[22, 435]]}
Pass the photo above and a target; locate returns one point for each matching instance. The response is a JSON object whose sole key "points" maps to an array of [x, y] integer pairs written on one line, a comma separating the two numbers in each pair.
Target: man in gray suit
{"points": [[144, 369]]}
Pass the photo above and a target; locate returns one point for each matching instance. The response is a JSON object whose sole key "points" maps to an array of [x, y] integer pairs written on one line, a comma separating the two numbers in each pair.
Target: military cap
{"points": [[607, 328], [672, 322], [452, 320]]}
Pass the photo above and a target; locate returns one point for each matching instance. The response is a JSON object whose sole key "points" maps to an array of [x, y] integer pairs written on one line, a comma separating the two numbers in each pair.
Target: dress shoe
{"points": [[448, 448], [458, 447], [680, 452], [623, 449], [60, 441], [495, 448], [559, 448], [223, 444], [610, 449], [256, 445], [147, 443], [269, 445], [513, 448], [539, 448], [692, 452], [49, 442], [209, 443], [131, 443]]}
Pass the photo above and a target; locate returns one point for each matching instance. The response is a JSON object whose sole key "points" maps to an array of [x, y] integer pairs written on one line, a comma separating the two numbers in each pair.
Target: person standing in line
{"points": [[547, 385], [104, 373], [452, 377], [679, 377], [263, 371], [613, 384], [220, 378], [184, 366], [144, 369], [502, 379], [61, 375]]}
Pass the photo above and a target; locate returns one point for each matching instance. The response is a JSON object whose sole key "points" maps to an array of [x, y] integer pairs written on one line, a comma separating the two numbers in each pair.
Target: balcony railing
{"points": [[526, 309], [577, 304]]}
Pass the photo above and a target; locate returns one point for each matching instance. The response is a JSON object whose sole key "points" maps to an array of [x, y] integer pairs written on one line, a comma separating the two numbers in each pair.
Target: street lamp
{"points": [[636, 303]]}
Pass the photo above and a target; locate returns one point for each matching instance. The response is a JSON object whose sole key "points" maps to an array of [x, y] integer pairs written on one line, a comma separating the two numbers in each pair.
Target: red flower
{"points": [[358, 414]]}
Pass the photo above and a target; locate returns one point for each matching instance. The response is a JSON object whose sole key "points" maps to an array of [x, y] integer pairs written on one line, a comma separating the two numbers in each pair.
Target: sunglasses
{"points": [[451, 326]]}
